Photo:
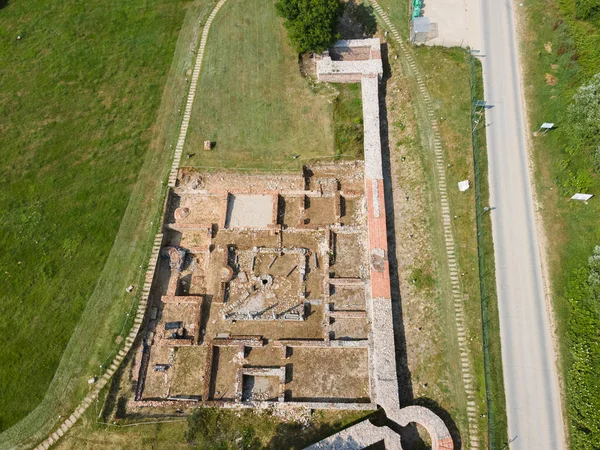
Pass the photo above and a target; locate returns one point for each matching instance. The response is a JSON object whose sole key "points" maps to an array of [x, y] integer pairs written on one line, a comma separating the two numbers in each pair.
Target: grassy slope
{"points": [[79, 93], [571, 226], [269, 432], [254, 103]]}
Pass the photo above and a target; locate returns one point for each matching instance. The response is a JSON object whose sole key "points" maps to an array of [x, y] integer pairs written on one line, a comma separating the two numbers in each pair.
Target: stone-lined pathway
{"points": [[457, 295], [141, 310]]}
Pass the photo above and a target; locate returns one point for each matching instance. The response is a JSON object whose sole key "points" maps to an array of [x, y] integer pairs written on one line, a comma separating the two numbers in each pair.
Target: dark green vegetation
{"points": [[79, 93], [209, 429], [588, 10], [311, 24], [217, 429], [562, 44], [348, 122], [583, 295]]}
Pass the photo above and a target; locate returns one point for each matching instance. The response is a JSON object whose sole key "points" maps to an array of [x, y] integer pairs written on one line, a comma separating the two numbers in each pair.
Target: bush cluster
{"points": [[583, 376], [582, 153], [213, 429], [311, 24], [584, 120], [587, 9]]}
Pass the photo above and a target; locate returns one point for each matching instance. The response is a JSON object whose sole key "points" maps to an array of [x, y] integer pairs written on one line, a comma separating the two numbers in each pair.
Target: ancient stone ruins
{"points": [[274, 290]]}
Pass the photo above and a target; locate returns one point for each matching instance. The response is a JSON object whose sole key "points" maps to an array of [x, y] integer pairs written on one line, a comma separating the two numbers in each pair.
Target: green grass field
{"points": [[348, 121], [79, 95], [253, 102]]}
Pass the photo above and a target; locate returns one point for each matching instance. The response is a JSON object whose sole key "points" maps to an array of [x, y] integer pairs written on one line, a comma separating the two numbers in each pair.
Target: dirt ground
{"points": [[267, 284], [158, 383], [188, 376], [225, 366], [345, 265], [350, 328], [320, 211], [347, 298], [329, 375]]}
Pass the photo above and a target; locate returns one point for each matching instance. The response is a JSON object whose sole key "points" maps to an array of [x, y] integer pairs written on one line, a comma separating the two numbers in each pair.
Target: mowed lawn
{"points": [[252, 100], [79, 92]]}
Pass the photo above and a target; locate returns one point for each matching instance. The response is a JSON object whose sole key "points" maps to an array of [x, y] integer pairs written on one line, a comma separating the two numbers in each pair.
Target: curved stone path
{"points": [[141, 310], [457, 294]]}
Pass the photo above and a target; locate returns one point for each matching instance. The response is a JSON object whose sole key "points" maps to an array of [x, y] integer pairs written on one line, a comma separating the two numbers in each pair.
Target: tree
{"points": [[311, 24]]}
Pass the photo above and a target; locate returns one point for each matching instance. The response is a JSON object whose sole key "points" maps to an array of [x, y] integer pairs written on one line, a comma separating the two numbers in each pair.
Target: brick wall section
{"points": [[380, 274]]}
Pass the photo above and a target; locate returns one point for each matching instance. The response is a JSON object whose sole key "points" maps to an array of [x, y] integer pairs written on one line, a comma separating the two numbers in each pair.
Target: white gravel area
{"points": [[254, 211], [458, 22]]}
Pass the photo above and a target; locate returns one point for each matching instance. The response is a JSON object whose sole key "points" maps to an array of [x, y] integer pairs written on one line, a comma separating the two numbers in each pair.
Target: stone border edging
{"points": [[459, 312], [152, 264], [191, 95]]}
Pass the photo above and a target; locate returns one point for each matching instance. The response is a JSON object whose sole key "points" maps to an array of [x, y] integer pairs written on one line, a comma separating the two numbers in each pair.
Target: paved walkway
{"points": [[533, 396]]}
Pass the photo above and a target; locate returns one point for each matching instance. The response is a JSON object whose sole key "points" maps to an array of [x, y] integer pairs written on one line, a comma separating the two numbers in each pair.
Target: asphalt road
{"points": [[530, 375]]}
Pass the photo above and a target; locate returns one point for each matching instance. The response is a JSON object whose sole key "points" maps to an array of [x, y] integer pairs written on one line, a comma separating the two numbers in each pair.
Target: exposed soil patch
{"points": [[551, 80]]}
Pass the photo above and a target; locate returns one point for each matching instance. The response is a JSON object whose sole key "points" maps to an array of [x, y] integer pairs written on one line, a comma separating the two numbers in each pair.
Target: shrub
{"points": [[584, 111], [583, 296], [214, 429], [584, 121], [587, 9], [311, 24]]}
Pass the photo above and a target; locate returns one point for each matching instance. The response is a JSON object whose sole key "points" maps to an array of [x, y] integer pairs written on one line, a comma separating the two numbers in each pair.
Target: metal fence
{"points": [[494, 389]]}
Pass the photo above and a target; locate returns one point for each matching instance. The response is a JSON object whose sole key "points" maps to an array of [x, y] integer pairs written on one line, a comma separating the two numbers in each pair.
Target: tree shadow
{"points": [[444, 415], [358, 21], [404, 378], [3, 3], [291, 435]]}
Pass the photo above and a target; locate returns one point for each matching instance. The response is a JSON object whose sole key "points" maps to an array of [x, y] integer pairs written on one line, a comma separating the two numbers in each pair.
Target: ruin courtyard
{"points": [[273, 290], [261, 291]]}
